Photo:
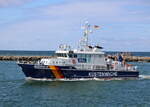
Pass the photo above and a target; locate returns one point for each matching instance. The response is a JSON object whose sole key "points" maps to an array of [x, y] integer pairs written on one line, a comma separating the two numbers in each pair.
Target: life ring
{"points": [[73, 61], [113, 65]]}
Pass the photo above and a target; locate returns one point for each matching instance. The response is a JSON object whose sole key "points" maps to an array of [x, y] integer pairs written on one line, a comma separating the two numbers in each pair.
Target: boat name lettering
{"points": [[102, 74]]}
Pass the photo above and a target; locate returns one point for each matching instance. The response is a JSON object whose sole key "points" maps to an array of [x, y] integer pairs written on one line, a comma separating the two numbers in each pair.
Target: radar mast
{"points": [[84, 42]]}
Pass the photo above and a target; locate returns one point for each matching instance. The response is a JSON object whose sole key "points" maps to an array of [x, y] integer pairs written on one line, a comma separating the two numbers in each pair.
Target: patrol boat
{"points": [[82, 63]]}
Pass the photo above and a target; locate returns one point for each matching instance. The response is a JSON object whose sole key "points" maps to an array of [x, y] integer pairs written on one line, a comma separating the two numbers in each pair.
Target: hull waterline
{"points": [[44, 72]]}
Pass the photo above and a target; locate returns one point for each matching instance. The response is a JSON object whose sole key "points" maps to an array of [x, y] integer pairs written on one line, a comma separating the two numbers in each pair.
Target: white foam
{"points": [[44, 79], [144, 76], [76, 79], [89, 79]]}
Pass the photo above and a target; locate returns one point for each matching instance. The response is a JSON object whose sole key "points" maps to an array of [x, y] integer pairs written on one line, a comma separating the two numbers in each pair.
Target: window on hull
{"points": [[72, 55]]}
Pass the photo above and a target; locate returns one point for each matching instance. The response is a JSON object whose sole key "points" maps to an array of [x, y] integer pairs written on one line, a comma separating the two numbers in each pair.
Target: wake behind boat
{"points": [[84, 62]]}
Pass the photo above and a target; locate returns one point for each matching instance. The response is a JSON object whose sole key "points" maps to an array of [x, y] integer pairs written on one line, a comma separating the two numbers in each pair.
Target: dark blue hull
{"points": [[70, 73]]}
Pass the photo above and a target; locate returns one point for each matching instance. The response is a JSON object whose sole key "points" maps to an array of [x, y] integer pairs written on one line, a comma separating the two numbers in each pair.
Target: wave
{"points": [[80, 79]]}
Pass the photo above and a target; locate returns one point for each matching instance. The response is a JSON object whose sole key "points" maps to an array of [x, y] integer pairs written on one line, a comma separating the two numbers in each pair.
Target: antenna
{"points": [[86, 31]]}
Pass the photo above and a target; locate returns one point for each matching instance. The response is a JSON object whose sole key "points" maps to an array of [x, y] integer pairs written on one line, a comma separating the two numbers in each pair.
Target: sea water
{"points": [[16, 91]]}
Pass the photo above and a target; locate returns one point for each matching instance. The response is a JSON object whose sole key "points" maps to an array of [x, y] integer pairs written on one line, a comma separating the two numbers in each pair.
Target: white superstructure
{"points": [[85, 57]]}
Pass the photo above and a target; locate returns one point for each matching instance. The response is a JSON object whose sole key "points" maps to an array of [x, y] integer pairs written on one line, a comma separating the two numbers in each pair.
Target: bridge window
{"points": [[72, 55], [88, 58], [61, 55], [75, 55]]}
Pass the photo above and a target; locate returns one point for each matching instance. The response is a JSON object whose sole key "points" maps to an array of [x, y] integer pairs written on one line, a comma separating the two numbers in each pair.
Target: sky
{"points": [[45, 24]]}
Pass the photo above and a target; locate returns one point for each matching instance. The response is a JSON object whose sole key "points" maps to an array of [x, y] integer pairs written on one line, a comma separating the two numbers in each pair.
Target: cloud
{"points": [[122, 24], [108, 11], [37, 34], [82, 9], [6, 3]]}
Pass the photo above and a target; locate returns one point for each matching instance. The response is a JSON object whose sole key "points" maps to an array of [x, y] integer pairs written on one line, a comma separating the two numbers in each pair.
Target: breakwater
{"points": [[137, 59], [22, 58], [35, 58], [134, 58]]}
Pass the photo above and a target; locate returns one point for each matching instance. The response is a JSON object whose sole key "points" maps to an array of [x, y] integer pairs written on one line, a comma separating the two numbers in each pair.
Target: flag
{"points": [[96, 27]]}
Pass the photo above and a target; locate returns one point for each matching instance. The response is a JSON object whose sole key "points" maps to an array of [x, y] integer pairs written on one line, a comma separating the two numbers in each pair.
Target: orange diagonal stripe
{"points": [[56, 71]]}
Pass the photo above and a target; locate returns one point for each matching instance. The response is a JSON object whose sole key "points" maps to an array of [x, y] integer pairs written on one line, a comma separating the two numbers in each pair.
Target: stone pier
{"points": [[22, 58], [35, 58]]}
